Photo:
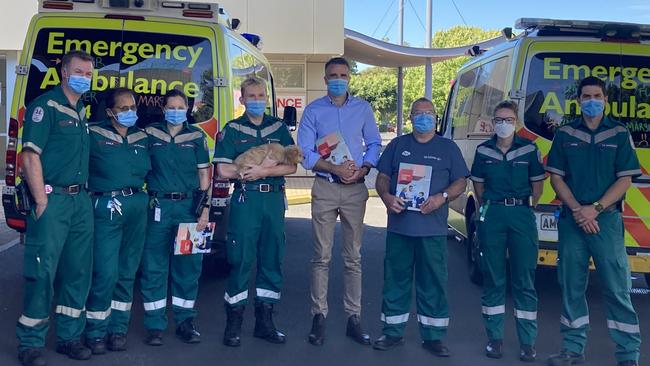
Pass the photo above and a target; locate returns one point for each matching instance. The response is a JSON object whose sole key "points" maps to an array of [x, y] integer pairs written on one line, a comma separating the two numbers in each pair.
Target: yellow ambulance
{"points": [[149, 46], [540, 69]]}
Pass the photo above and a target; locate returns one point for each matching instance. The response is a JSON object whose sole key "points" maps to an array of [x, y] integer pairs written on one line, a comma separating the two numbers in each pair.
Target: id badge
{"points": [[156, 214]]}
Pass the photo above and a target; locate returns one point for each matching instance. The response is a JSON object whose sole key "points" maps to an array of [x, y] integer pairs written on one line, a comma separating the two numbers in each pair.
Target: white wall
{"points": [[15, 17]]}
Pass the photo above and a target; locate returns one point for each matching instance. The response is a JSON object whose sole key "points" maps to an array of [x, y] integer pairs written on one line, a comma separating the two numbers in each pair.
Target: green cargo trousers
{"points": [[607, 248], [158, 258], [429, 257], [509, 232], [255, 232], [58, 256], [117, 251]]}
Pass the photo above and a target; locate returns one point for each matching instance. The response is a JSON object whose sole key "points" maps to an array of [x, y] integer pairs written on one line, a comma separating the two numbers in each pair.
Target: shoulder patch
{"points": [[38, 114]]}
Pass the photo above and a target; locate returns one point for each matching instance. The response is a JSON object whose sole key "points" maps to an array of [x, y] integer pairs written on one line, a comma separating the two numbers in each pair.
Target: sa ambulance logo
{"points": [[38, 114], [406, 153]]}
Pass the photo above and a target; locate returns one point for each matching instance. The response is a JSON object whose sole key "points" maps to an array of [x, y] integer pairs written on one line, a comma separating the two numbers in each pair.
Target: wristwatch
{"points": [[445, 195], [598, 206]]}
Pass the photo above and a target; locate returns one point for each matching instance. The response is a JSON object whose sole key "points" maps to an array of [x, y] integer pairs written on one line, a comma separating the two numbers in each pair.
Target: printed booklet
{"points": [[189, 241], [332, 148], [413, 182]]}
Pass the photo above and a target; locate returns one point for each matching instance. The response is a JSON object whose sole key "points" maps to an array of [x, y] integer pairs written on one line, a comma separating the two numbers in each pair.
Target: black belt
{"points": [[122, 192], [263, 187], [174, 196], [511, 202], [337, 180], [71, 190]]}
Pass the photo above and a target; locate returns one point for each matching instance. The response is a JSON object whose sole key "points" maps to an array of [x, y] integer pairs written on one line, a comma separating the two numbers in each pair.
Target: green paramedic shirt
{"points": [[591, 161], [175, 160], [507, 175], [58, 132], [240, 135], [116, 162]]}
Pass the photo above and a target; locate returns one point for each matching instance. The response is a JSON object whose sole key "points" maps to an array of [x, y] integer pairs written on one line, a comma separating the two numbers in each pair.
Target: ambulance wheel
{"points": [[473, 253]]}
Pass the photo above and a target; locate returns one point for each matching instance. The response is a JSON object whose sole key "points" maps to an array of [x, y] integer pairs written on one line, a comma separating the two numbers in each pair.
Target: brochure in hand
{"points": [[190, 241], [413, 183], [332, 148]]}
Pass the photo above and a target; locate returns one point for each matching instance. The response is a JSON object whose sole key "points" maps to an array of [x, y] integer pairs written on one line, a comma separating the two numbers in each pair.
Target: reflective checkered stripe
{"points": [[155, 305], [232, 300], [395, 319], [434, 322], [636, 209], [182, 303]]}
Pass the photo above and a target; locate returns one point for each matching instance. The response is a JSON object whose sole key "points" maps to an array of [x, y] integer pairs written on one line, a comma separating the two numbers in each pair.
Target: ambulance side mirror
{"points": [[290, 117]]}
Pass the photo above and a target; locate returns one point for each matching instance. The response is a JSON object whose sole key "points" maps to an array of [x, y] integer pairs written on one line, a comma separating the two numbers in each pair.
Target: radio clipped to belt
{"points": [[200, 201], [24, 198], [483, 211]]}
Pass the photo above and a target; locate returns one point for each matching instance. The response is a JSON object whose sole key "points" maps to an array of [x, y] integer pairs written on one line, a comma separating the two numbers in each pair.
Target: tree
{"points": [[378, 85]]}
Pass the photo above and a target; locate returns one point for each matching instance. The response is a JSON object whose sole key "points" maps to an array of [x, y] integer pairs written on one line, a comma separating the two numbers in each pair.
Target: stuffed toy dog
{"points": [[279, 154]]}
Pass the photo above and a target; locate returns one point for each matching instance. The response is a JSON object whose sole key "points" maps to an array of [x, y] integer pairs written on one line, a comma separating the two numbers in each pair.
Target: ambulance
{"points": [[540, 69], [149, 46]]}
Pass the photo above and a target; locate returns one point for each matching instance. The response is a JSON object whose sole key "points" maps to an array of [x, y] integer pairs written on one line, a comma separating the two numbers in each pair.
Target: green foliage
{"points": [[378, 85]]}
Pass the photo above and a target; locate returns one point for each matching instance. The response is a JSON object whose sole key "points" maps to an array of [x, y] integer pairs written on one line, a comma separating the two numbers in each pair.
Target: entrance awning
{"points": [[371, 51]]}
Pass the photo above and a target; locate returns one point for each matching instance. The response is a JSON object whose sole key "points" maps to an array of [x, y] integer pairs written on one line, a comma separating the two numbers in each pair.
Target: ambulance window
{"points": [[243, 65], [152, 64], [50, 46], [461, 103], [551, 90], [489, 91]]}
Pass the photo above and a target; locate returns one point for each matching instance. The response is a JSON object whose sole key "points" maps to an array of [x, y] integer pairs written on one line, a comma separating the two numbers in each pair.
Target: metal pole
{"points": [[428, 83], [400, 72]]}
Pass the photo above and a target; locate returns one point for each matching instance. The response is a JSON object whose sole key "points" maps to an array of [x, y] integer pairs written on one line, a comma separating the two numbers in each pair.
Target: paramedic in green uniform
{"points": [[256, 230], [508, 177], [58, 242], [119, 162], [592, 162], [180, 165], [416, 241]]}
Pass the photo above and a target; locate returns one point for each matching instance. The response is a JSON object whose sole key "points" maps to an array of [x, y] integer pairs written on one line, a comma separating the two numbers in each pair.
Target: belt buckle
{"points": [[127, 192], [176, 196], [265, 188], [73, 189], [510, 202]]}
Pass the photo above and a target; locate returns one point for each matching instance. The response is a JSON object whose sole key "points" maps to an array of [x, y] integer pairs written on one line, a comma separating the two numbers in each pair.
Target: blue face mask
{"points": [[337, 87], [79, 84], [592, 107], [256, 108], [424, 123], [127, 118], [176, 116]]}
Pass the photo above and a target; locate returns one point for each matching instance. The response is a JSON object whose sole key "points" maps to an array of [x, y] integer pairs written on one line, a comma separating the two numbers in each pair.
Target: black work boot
{"points": [[74, 349], [317, 334], [436, 347], [264, 327], [97, 345], [117, 342], [527, 353], [566, 358], [32, 357], [234, 319], [154, 337], [354, 331], [386, 342], [493, 349], [187, 332]]}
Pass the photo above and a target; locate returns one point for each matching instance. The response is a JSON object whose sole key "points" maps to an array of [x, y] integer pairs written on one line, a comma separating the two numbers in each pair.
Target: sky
{"points": [[367, 16]]}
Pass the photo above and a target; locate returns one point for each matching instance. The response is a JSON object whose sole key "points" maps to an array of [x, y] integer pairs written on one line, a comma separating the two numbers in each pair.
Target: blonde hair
{"points": [[252, 80]]}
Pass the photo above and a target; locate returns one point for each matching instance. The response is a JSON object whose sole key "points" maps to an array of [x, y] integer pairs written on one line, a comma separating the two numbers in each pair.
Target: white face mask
{"points": [[504, 130]]}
